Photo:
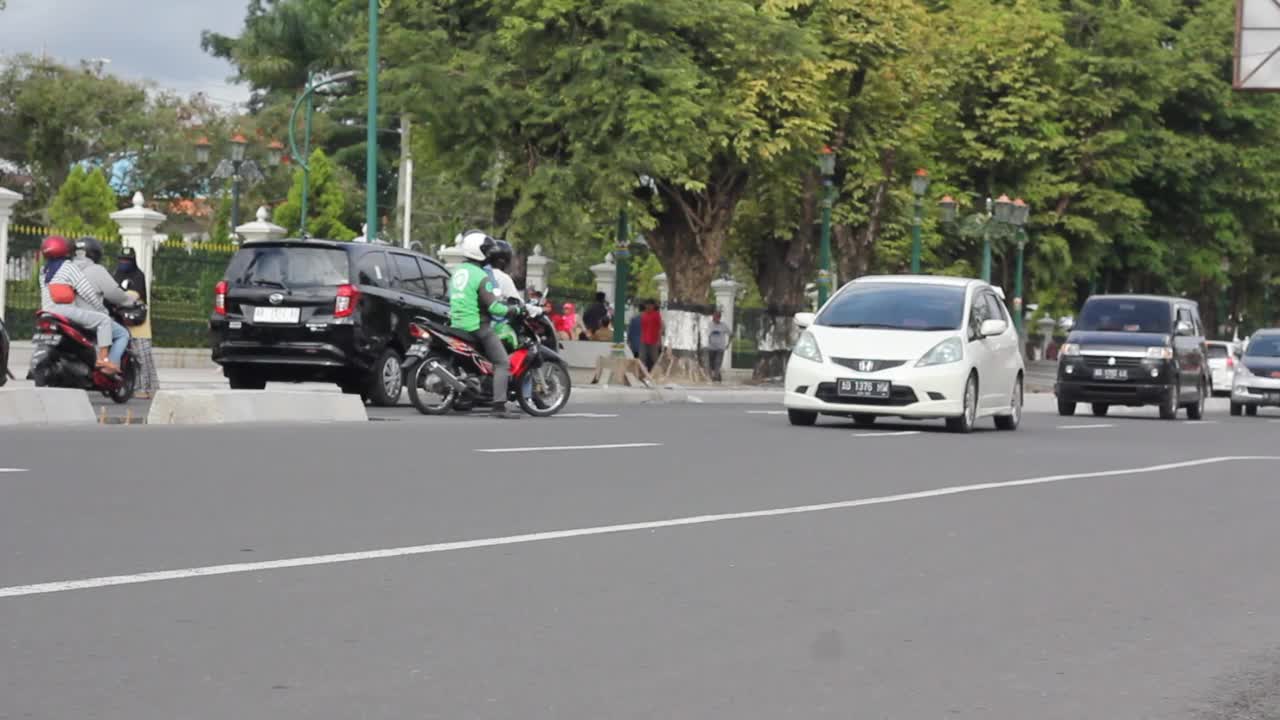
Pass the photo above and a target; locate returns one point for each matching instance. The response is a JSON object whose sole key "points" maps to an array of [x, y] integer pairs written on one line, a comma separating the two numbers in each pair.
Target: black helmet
{"points": [[91, 248], [500, 255], [133, 315]]}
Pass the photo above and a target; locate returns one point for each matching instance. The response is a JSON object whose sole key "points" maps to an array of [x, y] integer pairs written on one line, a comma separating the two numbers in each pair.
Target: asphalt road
{"points": [[724, 565]]}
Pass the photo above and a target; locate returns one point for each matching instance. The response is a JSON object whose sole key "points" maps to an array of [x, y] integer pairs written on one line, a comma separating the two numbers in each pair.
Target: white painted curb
{"points": [[45, 406], [213, 407]]}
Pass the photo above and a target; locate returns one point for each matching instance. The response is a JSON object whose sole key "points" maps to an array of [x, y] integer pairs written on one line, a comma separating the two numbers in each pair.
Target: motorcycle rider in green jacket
{"points": [[472, 300]]}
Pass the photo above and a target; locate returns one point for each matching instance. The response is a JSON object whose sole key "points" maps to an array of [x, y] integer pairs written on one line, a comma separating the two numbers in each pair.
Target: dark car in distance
{"points": [[1135, 350], [323, 311]]}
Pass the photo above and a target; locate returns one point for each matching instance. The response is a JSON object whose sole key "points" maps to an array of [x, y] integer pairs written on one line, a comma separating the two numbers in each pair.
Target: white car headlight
{"points": [[1242, 371], [807, 347], [1070, 349], [1159, 353], [948, 351]]}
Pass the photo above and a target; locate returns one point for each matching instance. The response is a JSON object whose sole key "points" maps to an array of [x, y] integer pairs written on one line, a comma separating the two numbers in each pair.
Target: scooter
{"points": [[65, 356], [447, 371]]}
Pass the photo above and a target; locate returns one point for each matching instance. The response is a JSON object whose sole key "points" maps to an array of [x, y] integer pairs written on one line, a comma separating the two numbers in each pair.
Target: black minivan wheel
{"points": [[1169, 405], [386, 380], [1195, 410]]}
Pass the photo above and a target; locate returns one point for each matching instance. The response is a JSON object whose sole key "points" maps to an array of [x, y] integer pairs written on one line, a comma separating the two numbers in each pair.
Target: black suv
{"points": [[323, 311], [1135, 350]]}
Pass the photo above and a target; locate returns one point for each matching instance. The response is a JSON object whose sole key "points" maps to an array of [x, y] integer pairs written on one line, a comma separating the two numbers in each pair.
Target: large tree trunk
{"points": [[856, 246], [689, 241], [782, 269]]}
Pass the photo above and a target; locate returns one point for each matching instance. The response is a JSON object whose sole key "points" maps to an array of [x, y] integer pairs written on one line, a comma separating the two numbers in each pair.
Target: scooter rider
{"points": [[472, 300], [88, 255], [498, 261]]}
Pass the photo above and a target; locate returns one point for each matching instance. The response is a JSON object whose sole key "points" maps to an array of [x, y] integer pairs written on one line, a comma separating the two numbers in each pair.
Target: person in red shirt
{"points": [[650, 335]]}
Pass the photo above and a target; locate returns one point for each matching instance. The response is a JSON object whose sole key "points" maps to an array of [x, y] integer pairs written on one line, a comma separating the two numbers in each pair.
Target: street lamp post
{"points": [[919, 186], [302, 158], [827, 167], [237, 167], [371, 136], [622, 258], [1021, 211], [1001, 212]]}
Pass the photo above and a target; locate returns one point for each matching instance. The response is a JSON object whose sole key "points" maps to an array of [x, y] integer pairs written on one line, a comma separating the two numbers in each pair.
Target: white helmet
{"points": [[474, 245]]}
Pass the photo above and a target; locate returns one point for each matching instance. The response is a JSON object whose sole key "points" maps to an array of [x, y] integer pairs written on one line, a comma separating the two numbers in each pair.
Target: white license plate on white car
{"points": [[276, 314]]}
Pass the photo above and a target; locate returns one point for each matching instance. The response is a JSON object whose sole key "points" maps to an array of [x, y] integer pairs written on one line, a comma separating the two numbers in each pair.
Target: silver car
{"points": [[1257, 376], [1223, 359]]}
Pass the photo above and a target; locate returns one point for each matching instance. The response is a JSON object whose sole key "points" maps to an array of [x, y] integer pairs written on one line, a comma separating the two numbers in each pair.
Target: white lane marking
{"points": [[766, 412], [1201, 422], [1085, 427], [554, 448], [5, 470], [887, 434], [157, 576], [586, 415]]}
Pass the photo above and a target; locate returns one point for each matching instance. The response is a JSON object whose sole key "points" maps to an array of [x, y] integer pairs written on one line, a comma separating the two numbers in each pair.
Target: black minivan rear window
{"points": [[289, 266], [1126, 315]]}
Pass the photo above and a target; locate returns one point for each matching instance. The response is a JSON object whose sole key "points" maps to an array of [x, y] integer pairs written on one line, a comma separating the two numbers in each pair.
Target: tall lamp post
{"points": [[238, 167], [1021, 212], [998, 212], [919, 186], [302, 158], [827, 167], [371, 135]]}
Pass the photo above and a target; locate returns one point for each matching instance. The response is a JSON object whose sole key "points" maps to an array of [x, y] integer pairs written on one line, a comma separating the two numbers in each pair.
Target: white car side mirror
{"points": [[805, 319], [991, 328]]}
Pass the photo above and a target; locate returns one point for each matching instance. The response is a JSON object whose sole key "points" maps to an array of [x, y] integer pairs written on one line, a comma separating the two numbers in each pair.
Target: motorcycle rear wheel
{"points": [[429, 394], [123, 392], [546, 395]]}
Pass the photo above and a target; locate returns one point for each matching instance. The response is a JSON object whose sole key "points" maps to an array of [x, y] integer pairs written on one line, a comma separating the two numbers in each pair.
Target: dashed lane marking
{"points": [[558, 448], [1097, 426], [887, 434], [586, 415]]}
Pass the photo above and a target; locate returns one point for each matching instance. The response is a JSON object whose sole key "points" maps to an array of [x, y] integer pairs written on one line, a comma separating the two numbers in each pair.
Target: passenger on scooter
{"points": [[107, 290], [498, 261], [61, 282], [473, 300]]}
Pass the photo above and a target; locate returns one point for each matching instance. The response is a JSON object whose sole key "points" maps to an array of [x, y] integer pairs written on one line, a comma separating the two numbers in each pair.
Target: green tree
{"points": [[328, 202], [84, 204]]}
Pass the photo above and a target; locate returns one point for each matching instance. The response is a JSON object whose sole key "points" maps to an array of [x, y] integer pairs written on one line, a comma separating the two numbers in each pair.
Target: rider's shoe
{"points": [[501, 412]]}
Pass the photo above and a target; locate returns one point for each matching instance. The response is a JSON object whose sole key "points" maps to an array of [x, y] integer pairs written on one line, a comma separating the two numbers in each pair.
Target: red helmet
{"points": [[55, 247]]}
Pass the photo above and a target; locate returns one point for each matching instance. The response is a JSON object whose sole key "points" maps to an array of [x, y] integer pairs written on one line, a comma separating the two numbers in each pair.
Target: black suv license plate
{"points": [[1111, 374], [864, 388]]}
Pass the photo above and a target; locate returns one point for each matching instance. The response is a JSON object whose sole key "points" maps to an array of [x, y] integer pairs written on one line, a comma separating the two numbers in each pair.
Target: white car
{"points": [[908, 346], [1223, 358], [1257, 378]]}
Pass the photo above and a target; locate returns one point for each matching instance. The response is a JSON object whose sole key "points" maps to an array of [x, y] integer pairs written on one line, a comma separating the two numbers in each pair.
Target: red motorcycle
{"points": [[446, 370], [65, 356]]}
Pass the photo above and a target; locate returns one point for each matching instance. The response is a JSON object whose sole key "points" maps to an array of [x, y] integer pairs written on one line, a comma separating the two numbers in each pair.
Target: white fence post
{"points": [[8, 199], [537, 271], [138, 230], [261, 229], [726, 294], [606, 277]]}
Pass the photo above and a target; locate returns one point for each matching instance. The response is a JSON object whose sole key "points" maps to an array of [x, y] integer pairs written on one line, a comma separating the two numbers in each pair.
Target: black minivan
{"points": [[323, 311], [1135, 350]]}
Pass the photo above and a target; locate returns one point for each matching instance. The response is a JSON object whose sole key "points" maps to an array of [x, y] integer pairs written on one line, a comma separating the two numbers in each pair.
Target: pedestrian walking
{"points": [[718, 337], [634, 331], [650, 336], [133, 280]]}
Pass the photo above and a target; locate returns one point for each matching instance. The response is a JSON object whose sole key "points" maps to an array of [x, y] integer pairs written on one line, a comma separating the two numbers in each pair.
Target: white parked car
{"points": [[908, 346], [1223, 357]]}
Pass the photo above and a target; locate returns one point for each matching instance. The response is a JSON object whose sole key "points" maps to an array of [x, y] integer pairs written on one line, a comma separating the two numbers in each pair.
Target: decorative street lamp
{"points": [[275, 152], [919, 186], [1018, 219], [1001, 211], [827, 168], [237, 167]]}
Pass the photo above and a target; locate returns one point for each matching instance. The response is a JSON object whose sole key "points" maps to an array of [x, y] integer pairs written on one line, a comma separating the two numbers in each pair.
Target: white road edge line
{"points": [[766, 412], [1086, 427], [586, 415], [887, 434], [553, 448], [5, 470], [157, 576]]}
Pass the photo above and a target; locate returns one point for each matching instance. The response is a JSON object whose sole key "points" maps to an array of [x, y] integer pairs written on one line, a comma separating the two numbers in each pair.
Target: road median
{"points": [[215, 407], [45, 406]]}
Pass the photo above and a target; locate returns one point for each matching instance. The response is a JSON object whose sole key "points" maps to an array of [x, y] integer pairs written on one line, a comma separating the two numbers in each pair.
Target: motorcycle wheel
{"points": [[545, 390], [42, 374], [123, 392], [429, 394]]}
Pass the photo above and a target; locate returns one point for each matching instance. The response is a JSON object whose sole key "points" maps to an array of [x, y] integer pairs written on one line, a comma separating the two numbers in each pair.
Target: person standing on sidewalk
{"points": [[718, 337], [133, 280], [650, 336]]}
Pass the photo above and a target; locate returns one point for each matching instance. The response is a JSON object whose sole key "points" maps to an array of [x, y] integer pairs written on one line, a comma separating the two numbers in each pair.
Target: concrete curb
{"points": [[671, 395], [211, 407], [45, 406]]}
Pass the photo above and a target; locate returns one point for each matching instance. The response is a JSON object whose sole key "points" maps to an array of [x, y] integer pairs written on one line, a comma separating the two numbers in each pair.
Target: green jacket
{"points": [[470, 289]]}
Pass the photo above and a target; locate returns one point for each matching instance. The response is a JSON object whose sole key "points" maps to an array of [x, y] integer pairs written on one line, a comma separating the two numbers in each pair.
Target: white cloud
{"points": [[157, 40]]}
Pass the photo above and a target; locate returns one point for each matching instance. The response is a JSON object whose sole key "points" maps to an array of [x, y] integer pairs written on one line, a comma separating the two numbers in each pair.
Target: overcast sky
{"points": [[158, 40]]}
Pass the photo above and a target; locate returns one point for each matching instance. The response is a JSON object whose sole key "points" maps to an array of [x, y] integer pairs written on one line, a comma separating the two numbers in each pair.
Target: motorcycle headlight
{"points": [[1070, 349], [807, 347], [948, 351], [1159, 353]]}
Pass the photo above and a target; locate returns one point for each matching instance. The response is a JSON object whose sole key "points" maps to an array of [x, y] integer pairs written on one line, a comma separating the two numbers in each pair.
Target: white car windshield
{"points": [[896, 306]]}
